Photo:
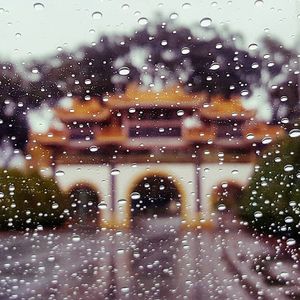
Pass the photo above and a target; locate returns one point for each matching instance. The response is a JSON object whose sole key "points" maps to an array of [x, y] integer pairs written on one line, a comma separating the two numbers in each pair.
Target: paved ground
{"points": [[157, 262]]}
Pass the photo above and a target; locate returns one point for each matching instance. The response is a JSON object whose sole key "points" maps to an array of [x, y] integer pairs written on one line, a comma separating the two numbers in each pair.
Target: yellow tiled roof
{"points": [[221, 108], [260, 130], [170, 97], [80, 110]]}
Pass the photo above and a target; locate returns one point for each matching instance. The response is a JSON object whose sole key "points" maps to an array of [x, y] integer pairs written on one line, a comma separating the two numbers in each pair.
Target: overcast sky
{"points": [[28, 32]]}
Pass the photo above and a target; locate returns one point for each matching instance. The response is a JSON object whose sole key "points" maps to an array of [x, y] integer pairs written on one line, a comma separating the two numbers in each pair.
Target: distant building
{"points": [[162, 153]]}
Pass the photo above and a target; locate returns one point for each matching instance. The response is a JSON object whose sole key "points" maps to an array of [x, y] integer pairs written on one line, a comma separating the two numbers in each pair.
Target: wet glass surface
{"points": [[154, 261], [149, 150]]}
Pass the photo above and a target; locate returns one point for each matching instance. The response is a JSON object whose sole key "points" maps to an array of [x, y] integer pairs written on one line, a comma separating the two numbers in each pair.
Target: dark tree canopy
{"points": [[13, 105], [281, 78]]}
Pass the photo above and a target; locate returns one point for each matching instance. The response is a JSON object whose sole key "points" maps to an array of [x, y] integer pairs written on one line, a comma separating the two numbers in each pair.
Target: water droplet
{"points": [[244, 92], [124, 71], [88, 81], [224, 185], [253, 46], [93, 148], [214, 66], [255, 65], [294, 133], [34, 70], [284, 120], [18, 35], [102, 205], [161, 187], [76, 238], [277, 159], [283, 98], [250, 136], [173, 16], [1, 194], [288, 220], [205, 22], [185, 50], [40, 227], [266, 140], [125, 6], [234, 172], [55, 205], [290, 242], [115, 172], [180, 113], [135, 196], [221, 207], [259, 3], [125, 289], [219, 46], [143, 21], [96, 15], [258, 214], [186, 5], [288, 168], [38, 6], [59, 173], [51, 258], [284, 275], [121, 201]]}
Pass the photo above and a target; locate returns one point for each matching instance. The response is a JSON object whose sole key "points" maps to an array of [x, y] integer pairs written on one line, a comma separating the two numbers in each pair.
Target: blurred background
{"points": [[198, 98]]}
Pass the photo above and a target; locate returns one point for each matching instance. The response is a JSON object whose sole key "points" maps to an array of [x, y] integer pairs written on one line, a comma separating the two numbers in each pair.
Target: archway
{"points": [[155, 196], [84, 206]]}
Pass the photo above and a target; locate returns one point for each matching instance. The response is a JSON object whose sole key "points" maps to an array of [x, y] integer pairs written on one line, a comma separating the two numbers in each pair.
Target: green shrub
{"points": [[271, 202], [27, 201]]}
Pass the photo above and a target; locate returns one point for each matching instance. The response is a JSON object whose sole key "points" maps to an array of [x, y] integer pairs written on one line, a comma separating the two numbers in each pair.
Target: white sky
{"points": [[66, 23], [27, 32]]}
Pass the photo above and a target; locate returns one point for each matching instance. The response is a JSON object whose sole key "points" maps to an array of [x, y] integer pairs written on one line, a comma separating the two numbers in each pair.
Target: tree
{"points": [[89, 71], [280, 67], [220, 68], [271, 202], [28, 201], [13, 109], [175, 54]]}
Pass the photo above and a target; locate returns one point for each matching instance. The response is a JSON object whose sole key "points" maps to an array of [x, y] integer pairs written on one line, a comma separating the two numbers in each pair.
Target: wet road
{"points": [[156, 262]]}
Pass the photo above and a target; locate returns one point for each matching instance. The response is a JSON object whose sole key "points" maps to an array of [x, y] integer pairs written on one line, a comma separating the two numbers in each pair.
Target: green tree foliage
{"points": [[271, 202], [13, 106], [27, 201], [175, 53], [281, 79]]}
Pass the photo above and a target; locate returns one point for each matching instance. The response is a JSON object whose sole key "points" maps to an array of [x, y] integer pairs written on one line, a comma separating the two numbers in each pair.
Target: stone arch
{"points": [[212, 174], [176, 188], [84, 201]]}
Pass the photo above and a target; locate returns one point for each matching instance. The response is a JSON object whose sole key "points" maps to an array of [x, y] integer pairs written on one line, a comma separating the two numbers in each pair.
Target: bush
{"points": [[271, 202], [27, 201]]}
